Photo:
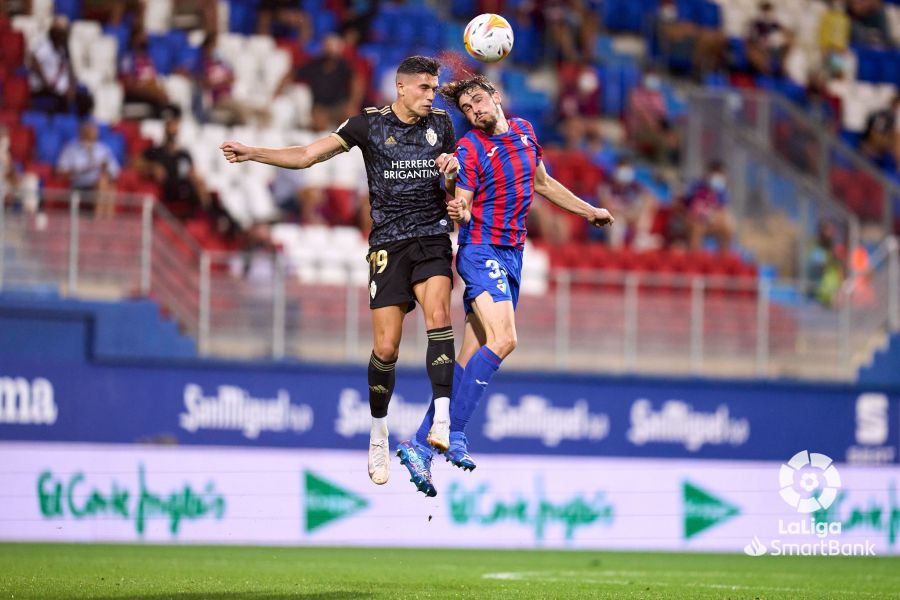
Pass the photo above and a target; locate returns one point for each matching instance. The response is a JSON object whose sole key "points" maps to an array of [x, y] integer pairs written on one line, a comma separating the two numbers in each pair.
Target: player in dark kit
{"points": [[407, 147]]}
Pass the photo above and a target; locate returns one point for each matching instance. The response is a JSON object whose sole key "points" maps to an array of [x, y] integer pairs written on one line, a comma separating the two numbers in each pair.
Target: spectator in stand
{"points": [[336, 90], [869, 24], [571, 27], [634, 206], [54, 87], [649, 128], [171, 166], [16, 186], [834, 35], [687, 46], [579, 106], [824, 267], [140, 80], [90, 166], [768, 42], [215, 79], [356, 20], [879, 141], [705, 210], [287, 13]]}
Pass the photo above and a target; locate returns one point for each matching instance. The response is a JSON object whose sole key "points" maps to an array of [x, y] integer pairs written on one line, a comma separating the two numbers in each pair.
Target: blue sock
{"points": [[425, 427], [481, 368]]}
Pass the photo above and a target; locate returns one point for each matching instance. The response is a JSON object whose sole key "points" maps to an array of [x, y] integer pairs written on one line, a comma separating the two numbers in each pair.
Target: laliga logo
{"points": [[812, 470]]}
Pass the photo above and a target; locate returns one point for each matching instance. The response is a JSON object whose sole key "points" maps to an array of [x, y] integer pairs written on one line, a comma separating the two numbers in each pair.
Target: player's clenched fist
{"points": [[447, 164], [458, 211], [235, 151], [600, 217]]}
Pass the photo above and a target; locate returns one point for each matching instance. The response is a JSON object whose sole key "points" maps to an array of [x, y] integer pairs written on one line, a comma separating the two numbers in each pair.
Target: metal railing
{"points": [[838, 173], [253, 305]]}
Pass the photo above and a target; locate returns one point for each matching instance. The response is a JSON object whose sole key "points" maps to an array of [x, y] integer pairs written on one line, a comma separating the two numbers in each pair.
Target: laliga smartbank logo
{"points": [[809, 483]]}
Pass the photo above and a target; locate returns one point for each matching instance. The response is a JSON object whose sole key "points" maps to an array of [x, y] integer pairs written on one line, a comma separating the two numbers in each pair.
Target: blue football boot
{"points": [[417, 459], [458, 454]]}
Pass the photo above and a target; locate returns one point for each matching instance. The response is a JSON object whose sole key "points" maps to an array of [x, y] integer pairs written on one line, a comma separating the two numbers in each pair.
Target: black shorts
{"points": [[396, 266]]}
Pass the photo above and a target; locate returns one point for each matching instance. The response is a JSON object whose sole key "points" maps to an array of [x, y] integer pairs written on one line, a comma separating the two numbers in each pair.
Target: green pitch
{"points": [[195, 572]]}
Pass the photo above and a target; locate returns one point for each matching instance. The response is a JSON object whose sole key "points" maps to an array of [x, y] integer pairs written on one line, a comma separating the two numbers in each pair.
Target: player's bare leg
{"points": [[434, 296], [387, 328]]}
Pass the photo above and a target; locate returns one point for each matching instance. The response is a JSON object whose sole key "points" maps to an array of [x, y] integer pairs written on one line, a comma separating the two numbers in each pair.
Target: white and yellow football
{"points": [[488, 38]]}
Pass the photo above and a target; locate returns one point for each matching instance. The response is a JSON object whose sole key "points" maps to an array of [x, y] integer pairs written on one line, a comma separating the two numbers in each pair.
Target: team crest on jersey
{"points": [[390, 141], [524, 139], [431, 136]]}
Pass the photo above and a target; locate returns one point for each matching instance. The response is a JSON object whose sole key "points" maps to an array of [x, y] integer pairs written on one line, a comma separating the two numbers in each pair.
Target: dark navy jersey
{"points": [[404, 183]]}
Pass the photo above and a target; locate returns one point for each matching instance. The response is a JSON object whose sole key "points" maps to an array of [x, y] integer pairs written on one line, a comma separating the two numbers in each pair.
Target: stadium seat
{"points": [[16, 95], [21, 144]]}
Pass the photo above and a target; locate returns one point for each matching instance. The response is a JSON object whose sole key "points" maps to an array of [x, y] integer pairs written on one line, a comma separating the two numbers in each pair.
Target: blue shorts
{"points": [[496, 270]]}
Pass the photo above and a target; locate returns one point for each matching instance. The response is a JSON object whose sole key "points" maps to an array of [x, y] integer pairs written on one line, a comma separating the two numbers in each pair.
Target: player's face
{"points": [[416, 92], [480, 108]]}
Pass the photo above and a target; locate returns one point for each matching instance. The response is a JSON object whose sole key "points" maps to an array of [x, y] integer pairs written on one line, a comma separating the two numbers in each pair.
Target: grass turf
{"points": [[194, 572]]}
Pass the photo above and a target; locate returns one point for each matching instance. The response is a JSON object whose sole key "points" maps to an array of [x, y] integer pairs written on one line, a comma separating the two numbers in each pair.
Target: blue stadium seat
{"points": [[70, 8], [38, 121], [242, 16], [49, 144], [324, 22], [709, 15], [463, 9], [66, 125], [116, 143]]}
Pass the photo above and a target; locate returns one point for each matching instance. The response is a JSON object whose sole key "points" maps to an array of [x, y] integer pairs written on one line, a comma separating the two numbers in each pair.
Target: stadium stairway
{"points": [[885, 366], [46, 326]]}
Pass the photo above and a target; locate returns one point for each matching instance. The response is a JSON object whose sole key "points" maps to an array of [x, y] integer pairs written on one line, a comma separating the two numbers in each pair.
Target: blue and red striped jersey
{"points": [[499, 169]]}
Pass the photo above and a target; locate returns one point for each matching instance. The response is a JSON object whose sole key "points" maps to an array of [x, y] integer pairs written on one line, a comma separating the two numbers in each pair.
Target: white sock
{"points": [[379, 428], [442, 409]]}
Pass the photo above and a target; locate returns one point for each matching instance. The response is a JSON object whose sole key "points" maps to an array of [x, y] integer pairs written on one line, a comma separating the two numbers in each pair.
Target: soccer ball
{"points": [[488, 38]]}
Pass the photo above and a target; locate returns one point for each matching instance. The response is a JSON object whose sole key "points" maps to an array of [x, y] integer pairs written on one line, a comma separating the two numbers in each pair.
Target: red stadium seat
{"points": [[21, 143], [12, 48], [16, 95]]}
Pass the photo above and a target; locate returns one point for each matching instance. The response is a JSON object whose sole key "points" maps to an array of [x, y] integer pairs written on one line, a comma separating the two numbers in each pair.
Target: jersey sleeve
{"points": [[469, 176], [353, 132]]}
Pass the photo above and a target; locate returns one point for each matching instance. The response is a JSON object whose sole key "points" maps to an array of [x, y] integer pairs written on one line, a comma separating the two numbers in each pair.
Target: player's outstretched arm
{"points": [[560, 195], [291, 157]]}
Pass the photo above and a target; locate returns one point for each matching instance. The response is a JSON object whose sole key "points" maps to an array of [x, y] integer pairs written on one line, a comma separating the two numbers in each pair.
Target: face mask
{"points": [[668, 12], [718, 182], [652, 82], [587, 82], [624, 175]]}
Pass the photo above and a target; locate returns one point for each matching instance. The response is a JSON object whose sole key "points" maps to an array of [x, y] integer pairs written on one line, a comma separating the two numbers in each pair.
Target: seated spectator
{"points": [[54, 87], [834, 35], [287, 13], [687, 46], [869, 24], [356, 20], [90, 166], [879, 138], [768, 42], [705, 210], [140, 80], [215, 79], [336, 92], [649, 129], [17, 187], [571, 30], [633, 205], [172, 167], [579, 106], [823, 266]]}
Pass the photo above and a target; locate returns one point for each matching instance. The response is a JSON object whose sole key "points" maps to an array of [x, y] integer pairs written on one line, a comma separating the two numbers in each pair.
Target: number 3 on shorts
{"points": [[494, 266], [379, 260]]}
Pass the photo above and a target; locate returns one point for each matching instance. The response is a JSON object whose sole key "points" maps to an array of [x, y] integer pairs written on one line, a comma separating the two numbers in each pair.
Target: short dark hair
{"points": [[412, 65], [453, 90]]}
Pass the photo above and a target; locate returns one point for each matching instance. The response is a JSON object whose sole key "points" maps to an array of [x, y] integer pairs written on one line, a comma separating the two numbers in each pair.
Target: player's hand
{"points": [[447, 164], [600, 217], [235, 152], [458, 211]]}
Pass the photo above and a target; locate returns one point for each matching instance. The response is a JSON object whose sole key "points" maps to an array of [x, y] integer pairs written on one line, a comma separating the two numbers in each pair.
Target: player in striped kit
{"points": [[500, 171]]}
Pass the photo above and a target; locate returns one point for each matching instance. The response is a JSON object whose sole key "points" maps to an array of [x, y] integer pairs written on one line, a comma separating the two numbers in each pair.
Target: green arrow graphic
{"points": [[702, 510], [326, 502]]}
